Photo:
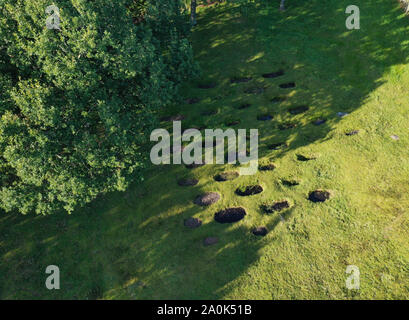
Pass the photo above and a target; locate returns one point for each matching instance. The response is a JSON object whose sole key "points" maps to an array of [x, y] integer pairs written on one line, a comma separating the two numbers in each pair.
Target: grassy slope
{"points": [[135, 246]]}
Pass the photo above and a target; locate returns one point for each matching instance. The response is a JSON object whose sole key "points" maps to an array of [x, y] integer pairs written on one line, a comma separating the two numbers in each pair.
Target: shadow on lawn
{"points": [[127, 247]]}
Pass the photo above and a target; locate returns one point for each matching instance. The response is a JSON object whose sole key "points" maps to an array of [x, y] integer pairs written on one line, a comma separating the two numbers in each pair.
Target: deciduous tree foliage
{"points": [[77, 104]]}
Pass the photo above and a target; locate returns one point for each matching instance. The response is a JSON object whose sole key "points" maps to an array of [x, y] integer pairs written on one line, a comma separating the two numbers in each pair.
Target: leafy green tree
{"points": [[78, 102]]}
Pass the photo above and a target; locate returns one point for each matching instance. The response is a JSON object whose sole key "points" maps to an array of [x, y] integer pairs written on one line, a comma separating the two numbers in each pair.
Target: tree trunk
{"points": [[282, 5], [193, 6]]}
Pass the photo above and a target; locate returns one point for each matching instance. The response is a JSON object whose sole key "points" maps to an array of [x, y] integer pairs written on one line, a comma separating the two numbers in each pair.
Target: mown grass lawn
{"points": [[135, 246]]}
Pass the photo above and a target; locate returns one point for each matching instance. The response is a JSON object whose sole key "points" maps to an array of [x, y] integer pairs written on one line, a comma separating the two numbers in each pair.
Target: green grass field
{"points": [[134, 245]]}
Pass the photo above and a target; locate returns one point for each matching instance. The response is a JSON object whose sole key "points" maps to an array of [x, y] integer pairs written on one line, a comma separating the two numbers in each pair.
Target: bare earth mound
{"points": [[207, 199], [210, 241], [193, 223]]}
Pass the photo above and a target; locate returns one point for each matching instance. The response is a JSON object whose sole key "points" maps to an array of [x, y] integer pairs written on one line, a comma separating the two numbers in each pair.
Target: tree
{"points": [[77, 103]]}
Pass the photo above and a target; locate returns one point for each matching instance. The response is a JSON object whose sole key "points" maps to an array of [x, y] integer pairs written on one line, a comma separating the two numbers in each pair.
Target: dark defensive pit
{"points": [[260, 231], [210, 112], [244, 106], [230, 215], [303, 158], [278, 99], [210, 85], [187, 182], [264, 117], [210, 241], [290, 183], [319, 196], [267, 167], [287, 85], [240, 80], [249, 190], [192, 223], [273, 74], [286, 126], [226, 176], [231, 123], [319, 122], [192, 100], [254, 90], [298, 110], [275, 207], [352, 133], [195, 165], [278, 146]]}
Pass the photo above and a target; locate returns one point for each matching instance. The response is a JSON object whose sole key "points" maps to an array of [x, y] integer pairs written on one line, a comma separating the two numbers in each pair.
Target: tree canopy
{"points": [[77, 103]]}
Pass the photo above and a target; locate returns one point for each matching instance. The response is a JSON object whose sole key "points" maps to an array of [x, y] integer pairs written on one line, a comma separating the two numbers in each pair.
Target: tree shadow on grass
{"points": [[334, 69]]}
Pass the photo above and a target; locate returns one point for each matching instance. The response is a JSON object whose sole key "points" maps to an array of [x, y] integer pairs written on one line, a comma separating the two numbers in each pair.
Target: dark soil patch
{"points": [[244, 106], [207, 199], [193, 223], [287, 85], [273, 74], [226, 176], [231, 123], [210, 241], [352, 133], [319, 122], [230, 215], [277, 146], [287, 125], [290, 183], [210, 112], [177, 117], [278, 99], [267, 167], [240, 80], [260, 231], [192, 100], [342, 114], [210, 85], [300, 157], [319, 196], [249, 190], [95, 293], [254, 90], [187, 182], [298, 110], [264, 117], [275, 207], [194, 165]]}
